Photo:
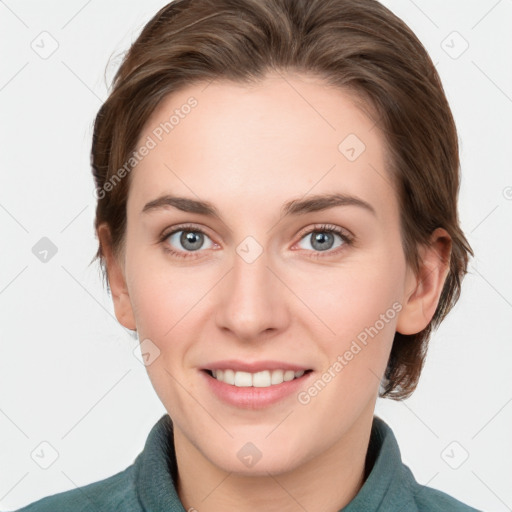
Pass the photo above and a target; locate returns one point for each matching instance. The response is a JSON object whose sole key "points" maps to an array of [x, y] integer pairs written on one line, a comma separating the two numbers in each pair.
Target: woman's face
{"points": [[264, 285]]}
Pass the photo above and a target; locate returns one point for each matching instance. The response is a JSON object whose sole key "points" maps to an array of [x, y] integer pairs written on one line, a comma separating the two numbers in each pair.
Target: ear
{"points": [[116, 280], [422, 291]]}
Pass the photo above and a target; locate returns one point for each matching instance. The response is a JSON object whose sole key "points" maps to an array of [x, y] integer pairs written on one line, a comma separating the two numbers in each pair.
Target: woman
{"points": [[277, 220]]}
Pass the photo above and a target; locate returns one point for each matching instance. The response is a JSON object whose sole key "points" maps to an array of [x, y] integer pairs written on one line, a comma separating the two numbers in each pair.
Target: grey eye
{"points": [[322, 240], [189, 240]]}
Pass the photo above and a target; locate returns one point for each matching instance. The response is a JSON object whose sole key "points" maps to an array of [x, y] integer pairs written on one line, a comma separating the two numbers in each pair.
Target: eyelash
{"points": [[328, 228], [319, 228]]}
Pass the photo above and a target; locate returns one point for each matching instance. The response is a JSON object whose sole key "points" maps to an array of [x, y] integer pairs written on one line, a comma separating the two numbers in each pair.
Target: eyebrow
{"points": [[313, 203]]}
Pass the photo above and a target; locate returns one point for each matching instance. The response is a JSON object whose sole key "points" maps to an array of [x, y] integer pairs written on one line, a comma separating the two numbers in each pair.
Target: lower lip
{"points": [[252, 397]]}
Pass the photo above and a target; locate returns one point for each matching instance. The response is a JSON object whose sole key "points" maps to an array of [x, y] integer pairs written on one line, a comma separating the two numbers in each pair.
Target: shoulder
{"points": [[428, 499], [144, 485], [394, 484], [115, 493]]}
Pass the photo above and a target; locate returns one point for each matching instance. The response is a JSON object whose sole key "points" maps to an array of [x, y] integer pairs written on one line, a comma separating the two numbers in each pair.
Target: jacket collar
{"points": [[387, 487]]}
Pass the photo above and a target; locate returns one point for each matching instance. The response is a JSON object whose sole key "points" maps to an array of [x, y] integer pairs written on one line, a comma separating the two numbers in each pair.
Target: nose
{"points": [[253, 300]]}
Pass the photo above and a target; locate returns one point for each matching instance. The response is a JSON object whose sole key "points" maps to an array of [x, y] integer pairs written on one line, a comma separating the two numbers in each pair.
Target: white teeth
{"points": [[262, 379], [289, 375], [277, 377], [243, 379], [229, 377]]}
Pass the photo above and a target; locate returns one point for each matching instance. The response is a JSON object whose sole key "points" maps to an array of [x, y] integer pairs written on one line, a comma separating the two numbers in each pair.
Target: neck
{"points": [[327, 482]]}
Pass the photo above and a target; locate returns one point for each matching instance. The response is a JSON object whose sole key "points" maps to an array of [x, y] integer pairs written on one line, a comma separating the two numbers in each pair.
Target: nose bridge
{"points": [[252, 302]]}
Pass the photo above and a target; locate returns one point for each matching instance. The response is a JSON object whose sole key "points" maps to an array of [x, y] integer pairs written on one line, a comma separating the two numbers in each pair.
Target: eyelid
{"points": [[167, 232], [187, 226], [325, 227], [346, 236]]}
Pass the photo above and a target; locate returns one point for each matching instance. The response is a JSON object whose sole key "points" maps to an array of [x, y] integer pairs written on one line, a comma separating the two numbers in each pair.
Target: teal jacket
{"points": [[148, 484]]}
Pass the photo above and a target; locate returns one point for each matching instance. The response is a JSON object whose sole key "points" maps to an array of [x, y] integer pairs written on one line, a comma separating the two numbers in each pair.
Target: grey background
{"points": [[68, 373]]}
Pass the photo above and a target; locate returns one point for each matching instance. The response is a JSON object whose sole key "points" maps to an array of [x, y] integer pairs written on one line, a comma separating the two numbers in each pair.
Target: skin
{"points": [[248, 150]]}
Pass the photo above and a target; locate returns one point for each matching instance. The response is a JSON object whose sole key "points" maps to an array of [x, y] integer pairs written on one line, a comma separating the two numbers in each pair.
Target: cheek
{"points": [[166, 302], [154, 303], [348, 300], [359, 307], [162, 294]]}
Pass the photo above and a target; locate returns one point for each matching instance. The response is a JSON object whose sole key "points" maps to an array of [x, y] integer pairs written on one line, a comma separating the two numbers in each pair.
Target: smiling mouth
{"points": [[262, 379]]}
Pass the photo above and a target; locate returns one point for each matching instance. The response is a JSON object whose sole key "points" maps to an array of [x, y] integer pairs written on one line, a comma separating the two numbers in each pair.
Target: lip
{"points": [[253, 367], [254, 397]]}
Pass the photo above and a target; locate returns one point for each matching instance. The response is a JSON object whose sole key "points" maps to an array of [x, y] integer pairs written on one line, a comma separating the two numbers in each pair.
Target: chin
{"points": [[249, 460]]}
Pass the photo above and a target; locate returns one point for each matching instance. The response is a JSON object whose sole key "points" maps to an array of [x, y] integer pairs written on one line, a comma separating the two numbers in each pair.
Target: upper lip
{"points": [[254, 366]]}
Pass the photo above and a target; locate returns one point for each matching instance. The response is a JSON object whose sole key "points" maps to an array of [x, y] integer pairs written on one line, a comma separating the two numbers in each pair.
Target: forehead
{"points": [[287, 136]]}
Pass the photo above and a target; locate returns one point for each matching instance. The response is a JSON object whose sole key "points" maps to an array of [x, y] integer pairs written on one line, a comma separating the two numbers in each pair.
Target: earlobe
{"points": [[116, 279], [423, 290]]}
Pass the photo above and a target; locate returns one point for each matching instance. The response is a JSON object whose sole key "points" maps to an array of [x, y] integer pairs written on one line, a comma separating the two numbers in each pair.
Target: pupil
{"points": [[323, 239], [191, 240]]}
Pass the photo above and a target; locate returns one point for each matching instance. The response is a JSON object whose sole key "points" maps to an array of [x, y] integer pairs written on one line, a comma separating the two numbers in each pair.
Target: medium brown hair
{"points": [[357, 45]]}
